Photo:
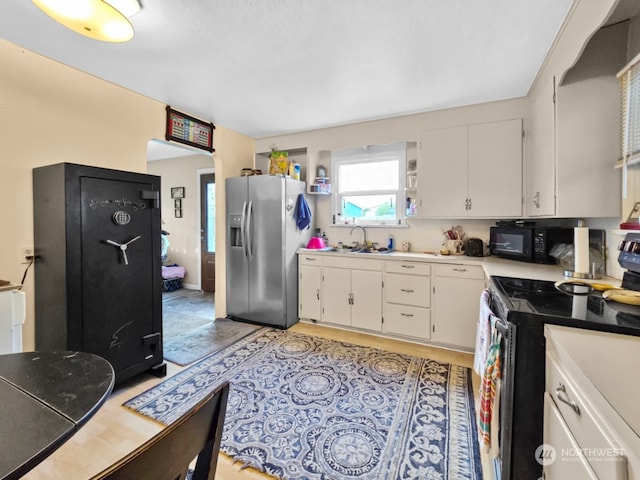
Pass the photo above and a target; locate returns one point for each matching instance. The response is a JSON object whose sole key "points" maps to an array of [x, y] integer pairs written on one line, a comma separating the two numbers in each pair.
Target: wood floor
{"points": [[115, 430]]}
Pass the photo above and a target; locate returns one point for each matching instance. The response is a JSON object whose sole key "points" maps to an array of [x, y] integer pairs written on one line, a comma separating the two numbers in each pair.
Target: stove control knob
{"points": [[621, 245], [635, 247], [629, 246]]}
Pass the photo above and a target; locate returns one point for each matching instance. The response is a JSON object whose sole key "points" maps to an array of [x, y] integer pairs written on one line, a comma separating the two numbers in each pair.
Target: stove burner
{"points": [[573, 287], [567, 299]]}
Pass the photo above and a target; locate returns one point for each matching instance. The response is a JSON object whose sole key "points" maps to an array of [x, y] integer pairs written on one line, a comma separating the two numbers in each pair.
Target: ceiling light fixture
{"points": [[105, 20]]}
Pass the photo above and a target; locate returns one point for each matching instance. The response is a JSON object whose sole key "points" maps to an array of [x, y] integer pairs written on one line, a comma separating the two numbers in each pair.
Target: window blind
{"points": [[629, 78], [630, 90]]}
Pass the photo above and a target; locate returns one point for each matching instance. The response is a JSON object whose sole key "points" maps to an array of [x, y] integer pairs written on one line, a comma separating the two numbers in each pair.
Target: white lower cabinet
{"points": [[456, 294], [336, 307], [352, 296], [407, 289], [310, 290], [430, 302], [587, 436], [558, 439]]}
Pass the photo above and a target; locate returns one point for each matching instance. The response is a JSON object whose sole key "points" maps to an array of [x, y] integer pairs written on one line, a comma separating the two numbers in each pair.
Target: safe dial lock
{"points": [[123, 247]]}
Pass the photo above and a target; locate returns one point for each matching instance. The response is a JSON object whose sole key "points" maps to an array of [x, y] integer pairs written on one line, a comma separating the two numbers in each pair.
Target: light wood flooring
{"points": [[115, 430]]}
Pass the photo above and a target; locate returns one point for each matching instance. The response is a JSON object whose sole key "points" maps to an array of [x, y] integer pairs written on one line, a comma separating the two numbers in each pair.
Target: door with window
{"points": [[208, 232]]}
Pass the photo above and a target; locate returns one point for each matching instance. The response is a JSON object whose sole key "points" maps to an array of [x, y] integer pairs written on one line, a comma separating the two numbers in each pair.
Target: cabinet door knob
{"points": [[561, 395], [318, 294]]}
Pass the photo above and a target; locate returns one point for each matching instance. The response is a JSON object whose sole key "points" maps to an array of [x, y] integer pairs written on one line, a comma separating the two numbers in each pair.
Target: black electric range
{"points": [[539, 301], [523, 307]]}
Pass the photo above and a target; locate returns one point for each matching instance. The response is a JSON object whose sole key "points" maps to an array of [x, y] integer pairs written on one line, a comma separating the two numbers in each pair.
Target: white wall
{"points": [[184, 232], [52, 113]]}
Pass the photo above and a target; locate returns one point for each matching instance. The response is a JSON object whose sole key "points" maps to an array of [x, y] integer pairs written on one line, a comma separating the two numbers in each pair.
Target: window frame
{"points": [[368, 155]]}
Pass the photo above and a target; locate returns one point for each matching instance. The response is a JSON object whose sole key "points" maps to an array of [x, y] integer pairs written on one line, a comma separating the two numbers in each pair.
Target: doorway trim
{"points": [[199, 173]]}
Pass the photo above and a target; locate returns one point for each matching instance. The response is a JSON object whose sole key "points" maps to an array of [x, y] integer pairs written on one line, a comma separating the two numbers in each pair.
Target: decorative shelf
{"points": [[320, 188]]}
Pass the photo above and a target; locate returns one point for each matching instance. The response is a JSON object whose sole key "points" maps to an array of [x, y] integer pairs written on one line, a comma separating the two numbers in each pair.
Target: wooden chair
{"points": [[168, 454]]}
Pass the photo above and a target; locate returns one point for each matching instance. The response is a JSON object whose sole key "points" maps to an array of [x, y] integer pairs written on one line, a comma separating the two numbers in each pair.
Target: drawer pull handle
{"points": [[407, 290], [459, 269], [407, 314], [408, 266], [561, 393], [311, 259]]}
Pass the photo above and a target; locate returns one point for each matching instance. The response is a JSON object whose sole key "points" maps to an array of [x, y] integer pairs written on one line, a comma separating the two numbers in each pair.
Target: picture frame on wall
{"points": [[183, 128], [177, 192]]}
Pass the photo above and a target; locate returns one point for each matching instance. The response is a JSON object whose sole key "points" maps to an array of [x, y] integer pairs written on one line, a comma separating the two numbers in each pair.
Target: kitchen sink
{"points": [[368, 251]]}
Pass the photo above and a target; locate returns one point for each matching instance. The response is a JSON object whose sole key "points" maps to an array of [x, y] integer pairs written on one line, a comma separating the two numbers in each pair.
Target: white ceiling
{"points": [[267, 67]]}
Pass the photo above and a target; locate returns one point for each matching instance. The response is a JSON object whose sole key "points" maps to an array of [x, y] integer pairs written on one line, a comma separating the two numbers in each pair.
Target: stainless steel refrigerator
{"points": [[262, 239]]}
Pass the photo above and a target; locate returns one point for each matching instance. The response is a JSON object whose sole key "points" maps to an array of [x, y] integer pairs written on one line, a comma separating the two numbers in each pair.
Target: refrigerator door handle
{"points": [[249, 236], [243, 230]]}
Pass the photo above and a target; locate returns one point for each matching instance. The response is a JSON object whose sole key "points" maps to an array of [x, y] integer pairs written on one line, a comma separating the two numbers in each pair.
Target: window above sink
{"points": [[369, 185]]}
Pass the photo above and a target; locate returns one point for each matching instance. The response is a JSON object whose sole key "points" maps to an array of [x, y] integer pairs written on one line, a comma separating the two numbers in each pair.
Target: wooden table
{"points": [[45, 398]]}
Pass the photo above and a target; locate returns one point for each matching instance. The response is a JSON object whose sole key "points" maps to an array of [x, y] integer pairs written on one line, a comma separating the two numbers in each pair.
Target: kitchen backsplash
{"points": [[428, 235]]}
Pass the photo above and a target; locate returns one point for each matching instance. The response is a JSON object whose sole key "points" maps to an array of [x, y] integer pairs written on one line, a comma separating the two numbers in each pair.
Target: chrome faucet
{"points": [[364, 231]]}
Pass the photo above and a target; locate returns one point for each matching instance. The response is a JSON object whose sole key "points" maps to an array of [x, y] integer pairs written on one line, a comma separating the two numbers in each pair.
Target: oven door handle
{"points": [[502, 327]]}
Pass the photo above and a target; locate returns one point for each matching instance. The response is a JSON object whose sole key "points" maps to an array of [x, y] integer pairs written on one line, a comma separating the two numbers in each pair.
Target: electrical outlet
{"points": [[26, 253]]}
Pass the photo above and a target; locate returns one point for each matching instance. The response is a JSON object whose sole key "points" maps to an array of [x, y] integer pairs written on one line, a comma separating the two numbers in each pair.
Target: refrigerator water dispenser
{"points": [[235, 230]]}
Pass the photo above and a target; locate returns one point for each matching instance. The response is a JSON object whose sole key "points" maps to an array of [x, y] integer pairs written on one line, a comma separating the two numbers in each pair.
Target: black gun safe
{"points": [[98, 282]]}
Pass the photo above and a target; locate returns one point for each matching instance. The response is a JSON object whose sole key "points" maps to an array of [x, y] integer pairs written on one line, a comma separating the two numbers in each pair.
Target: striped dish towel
{"points": [[489, 393]]}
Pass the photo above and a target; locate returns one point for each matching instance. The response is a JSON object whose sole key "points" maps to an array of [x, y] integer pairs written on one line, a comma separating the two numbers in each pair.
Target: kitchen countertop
{"points": [[493, 266]]}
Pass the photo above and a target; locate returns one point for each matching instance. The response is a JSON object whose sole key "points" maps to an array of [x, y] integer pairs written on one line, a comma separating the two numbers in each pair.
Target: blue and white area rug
{"points": [[303, 407]]}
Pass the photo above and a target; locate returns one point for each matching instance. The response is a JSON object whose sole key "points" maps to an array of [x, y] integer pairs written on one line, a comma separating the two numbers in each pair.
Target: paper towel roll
{"points": [[581, 249]]}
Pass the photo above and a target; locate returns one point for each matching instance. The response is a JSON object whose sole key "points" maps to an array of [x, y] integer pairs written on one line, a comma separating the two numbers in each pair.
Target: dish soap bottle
{"points": [[390, 243]]}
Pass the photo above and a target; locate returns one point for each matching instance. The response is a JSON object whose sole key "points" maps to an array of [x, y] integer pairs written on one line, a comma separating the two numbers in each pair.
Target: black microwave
{"points": [[528, 243]]}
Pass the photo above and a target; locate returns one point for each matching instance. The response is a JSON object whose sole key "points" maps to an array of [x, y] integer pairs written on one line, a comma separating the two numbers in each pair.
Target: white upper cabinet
{"points": [[540, 189], [471, 171], [587, 147], [442, 170], [495, 169], [574, 138]]}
